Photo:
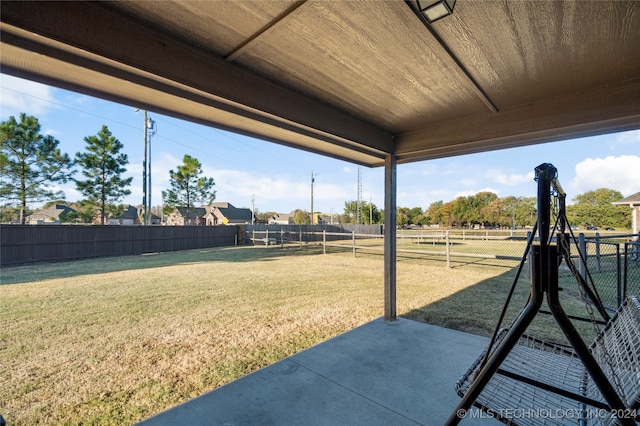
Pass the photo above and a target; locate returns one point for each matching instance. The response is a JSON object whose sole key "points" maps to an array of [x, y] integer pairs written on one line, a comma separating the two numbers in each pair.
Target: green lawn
{"points": [[112, 341]]}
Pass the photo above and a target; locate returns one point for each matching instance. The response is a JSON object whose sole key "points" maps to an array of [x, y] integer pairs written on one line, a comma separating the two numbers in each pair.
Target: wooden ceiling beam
{"points": [[262, 32], [93, 34], [446, 50], [609, 109]]}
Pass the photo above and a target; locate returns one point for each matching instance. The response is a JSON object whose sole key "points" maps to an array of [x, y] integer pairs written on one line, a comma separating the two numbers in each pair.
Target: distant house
{"points": [[325, 219], [227, 214], [50, 215], [282, 219], [155, 219], [211, 215], [131, 216], [632, 201], [183, 216], [287, 219]]}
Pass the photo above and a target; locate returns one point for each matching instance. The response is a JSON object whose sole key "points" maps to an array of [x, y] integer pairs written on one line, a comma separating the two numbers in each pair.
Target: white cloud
{"points": [[51, 132], [628, 137], [441, 194], [18, 95], [429, 170], [412, 199], [621, 173], [274, 192], [511, 179]]}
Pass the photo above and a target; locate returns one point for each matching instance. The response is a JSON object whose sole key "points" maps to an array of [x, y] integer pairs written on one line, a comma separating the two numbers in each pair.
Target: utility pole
{"points": [[370, 211], [253, 209], [144, 172], [151, 126], [147, 124], [313, 178]]}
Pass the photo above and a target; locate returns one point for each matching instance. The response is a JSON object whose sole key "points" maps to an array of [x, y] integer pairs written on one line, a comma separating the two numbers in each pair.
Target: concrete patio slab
{"points": [[398, 373]]}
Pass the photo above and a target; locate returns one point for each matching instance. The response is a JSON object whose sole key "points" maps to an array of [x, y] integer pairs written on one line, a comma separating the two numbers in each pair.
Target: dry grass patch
{"points": [[113, 341], [116, 340]]}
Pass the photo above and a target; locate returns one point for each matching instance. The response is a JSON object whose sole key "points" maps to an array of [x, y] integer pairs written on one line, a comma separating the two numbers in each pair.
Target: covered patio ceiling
{"points": [[356, 80]]}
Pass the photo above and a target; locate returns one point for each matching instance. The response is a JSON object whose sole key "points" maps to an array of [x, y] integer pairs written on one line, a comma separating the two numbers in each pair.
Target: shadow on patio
{"points": [[380, 373]]}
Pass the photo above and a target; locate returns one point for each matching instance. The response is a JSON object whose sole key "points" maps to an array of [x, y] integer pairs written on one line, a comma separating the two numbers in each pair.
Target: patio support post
{"points": [[390, 183]]}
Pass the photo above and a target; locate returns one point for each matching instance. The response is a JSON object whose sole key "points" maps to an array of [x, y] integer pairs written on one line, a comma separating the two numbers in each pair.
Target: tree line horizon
{"points": [[591, 208], [31, 162]]}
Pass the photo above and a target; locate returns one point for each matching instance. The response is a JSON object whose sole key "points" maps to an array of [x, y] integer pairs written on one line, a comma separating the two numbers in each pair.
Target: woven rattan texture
{"points": [[616, 349]]}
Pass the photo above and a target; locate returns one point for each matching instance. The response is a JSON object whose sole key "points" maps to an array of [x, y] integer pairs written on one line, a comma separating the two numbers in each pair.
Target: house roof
{"points": [[191, 213], [356, 80], [130, 212], [53, 211], [233, 213], [631, 200]]}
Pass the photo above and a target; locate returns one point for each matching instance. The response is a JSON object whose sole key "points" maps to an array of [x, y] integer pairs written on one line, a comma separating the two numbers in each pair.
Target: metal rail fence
{"points": [[612, 261], [23, 244], [451, 247]]}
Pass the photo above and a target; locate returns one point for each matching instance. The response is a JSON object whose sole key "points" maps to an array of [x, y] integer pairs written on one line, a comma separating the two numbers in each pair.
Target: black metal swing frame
{"points": [[543, 262]]}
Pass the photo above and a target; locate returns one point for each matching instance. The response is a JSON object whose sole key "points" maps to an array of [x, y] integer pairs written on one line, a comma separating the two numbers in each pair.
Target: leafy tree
{"points": [[350, 210], [477, 203], [188, 187], [420, 220], [434, 213], [402, 218], [69, 216], [468, 210], [86, 211], [264, 216], [103, 166], [526, 211], [370, 214], [416, 216], [30, 163], [501, 212], [595, 208], [446, 212], [11, 214], [460, 210], [301, 217]]}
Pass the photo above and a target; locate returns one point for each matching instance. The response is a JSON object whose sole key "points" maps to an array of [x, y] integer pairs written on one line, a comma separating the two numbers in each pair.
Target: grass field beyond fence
{"points": [[115, 340]]}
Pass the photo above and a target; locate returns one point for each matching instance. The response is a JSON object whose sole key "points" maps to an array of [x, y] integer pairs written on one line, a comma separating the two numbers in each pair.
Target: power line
{"points": [[227, 135]]}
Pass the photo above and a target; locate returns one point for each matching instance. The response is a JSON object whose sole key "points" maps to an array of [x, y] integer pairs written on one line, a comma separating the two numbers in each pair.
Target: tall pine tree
{"points": [[103, 165], [30, 163], [188, 187]]}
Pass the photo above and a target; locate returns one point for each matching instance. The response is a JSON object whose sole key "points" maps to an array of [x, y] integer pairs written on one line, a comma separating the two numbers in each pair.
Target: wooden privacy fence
{"points": [[21, 244]]}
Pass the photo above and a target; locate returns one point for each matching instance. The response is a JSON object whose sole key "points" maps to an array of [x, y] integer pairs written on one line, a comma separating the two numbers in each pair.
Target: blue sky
{"points": [[280, 178]]}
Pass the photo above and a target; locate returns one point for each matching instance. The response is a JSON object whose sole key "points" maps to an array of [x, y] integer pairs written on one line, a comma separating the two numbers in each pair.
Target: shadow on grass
{"points": [[476, 309], [455, 261], [432, 243], [20, 274]]}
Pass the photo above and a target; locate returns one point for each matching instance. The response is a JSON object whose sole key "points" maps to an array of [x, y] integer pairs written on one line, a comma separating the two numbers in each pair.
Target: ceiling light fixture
{"points": [[436, 9]]}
